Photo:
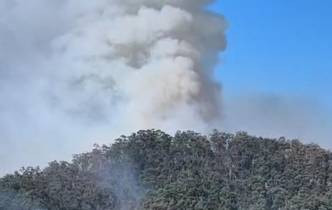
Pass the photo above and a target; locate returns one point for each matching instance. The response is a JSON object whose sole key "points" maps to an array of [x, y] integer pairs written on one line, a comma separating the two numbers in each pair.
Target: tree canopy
{"points": [[152, 170]]}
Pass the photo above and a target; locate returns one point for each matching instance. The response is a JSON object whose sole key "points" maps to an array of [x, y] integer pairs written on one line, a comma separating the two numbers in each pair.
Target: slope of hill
{"points": [[155, 171]]}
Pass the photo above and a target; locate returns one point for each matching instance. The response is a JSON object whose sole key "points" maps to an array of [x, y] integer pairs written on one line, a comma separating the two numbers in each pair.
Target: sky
{"points": [[75, 82], [279, 55], [282, 47]]}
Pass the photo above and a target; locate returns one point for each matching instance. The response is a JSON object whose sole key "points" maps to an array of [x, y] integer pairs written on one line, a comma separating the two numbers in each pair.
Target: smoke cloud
{"points": [[272, 115], [76, 72]]}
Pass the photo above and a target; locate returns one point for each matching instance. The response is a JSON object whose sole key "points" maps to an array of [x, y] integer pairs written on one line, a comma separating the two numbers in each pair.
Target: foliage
{"points": [[152, 170]]}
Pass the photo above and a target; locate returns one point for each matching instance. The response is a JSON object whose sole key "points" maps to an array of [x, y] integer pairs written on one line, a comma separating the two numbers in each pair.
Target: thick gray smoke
{"points": [[75, 72]]}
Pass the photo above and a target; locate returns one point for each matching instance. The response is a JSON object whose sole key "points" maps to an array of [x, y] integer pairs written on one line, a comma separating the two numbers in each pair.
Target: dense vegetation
{"points": [[154, 171]]}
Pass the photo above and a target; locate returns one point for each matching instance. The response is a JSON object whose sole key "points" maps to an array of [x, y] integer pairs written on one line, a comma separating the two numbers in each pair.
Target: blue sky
{"points": [[281, 47]]}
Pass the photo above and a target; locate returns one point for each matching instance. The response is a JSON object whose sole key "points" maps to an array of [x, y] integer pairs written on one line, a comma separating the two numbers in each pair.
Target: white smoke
{"points": [[76, 72]]}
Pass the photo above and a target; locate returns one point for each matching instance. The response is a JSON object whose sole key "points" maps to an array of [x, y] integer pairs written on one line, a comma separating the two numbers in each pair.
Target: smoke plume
{"points": [[76, 72]]}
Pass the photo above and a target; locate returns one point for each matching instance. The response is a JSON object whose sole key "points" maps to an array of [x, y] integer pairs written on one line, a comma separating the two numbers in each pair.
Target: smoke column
{"points": [[76, 72]]}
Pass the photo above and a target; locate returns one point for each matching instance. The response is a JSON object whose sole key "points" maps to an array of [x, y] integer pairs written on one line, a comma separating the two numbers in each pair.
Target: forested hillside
{"points": [[152, 170]]}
